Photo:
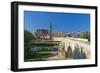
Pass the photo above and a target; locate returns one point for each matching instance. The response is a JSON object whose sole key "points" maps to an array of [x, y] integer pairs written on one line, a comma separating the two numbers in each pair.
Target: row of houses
{"points": [[46, 34]]}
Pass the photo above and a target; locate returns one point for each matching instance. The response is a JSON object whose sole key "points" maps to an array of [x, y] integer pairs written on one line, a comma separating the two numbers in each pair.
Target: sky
{"points": [[61, 22]]}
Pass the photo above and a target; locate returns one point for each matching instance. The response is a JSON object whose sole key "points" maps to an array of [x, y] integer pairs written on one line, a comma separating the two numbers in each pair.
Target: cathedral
{"points": [[44, 33], [48, 33]]}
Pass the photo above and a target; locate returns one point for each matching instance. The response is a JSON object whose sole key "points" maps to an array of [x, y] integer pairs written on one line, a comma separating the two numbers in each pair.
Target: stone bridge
{"points": [[74, 47]]}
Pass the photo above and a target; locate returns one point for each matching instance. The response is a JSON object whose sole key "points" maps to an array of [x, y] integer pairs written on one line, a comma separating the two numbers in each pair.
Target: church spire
{"points": [[50, 30]]}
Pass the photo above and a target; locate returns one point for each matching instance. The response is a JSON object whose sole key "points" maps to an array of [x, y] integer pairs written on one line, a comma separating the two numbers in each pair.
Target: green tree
{"points": [[28, 40], [85, 35]]}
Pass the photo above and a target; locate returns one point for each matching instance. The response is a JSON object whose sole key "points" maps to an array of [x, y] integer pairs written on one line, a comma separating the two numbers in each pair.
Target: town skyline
{"points": [[61, 22], [56, 36]]}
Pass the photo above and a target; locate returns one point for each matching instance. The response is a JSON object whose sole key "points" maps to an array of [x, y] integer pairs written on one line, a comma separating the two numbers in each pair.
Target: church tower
{"points": [[50, 30]]}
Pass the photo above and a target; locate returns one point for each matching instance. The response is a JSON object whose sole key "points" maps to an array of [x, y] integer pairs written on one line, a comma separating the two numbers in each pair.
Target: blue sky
{"points": [[61, 22]]}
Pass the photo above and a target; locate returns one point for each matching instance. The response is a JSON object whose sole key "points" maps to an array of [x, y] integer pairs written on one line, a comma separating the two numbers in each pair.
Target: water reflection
{"points": [[77, 54]]}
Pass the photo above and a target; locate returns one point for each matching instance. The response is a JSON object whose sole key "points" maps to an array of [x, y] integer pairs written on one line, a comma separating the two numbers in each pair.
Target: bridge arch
{"points": [[76, 44]]}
